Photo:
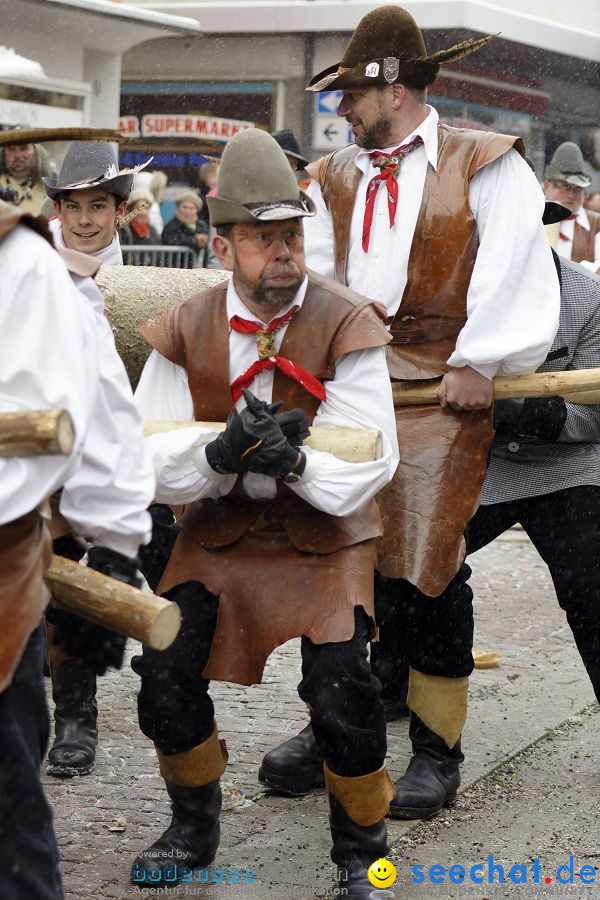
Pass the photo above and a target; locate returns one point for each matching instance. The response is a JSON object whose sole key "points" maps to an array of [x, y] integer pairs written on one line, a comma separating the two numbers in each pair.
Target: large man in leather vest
{"points": [[276, 542], [420, 216]]}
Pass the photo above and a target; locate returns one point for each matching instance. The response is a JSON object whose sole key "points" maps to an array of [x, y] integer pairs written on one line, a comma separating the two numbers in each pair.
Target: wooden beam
{"points": [[46, 432]]}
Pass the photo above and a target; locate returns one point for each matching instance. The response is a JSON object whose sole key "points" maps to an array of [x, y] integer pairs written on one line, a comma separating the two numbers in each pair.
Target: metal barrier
{"points": [[159, 255]]}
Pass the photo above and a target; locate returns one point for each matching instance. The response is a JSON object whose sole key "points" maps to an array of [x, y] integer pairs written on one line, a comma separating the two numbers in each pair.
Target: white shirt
{"points": [[109, 256], [49, 360], [107, 499], [565, 247], [359, 396], [513, 299]]}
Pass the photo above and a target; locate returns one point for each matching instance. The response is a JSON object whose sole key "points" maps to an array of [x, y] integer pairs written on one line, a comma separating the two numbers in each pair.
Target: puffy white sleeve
{"points": [[360, 396], [178, 458], [107, 498], [318, 235], [513, 301], [49, 359]]}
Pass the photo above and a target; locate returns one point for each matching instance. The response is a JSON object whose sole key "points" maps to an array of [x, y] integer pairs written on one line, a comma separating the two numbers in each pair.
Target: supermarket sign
{"points": [[170, 126]]}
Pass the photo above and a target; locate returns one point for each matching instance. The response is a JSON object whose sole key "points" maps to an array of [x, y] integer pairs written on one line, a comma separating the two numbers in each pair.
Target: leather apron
{"points": [[443, 454], [280, 568]]}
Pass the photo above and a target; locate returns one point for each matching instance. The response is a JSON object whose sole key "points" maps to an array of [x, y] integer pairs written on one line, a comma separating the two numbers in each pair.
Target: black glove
{"points": [[542, 417], [69, 547], [276, 456], [79, 637], [154, 556], [294, 425], [233, 449]]}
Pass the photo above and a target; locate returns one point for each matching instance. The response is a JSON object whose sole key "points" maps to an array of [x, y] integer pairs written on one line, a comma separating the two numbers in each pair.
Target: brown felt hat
{"points": [[567, 165], [256, 183], [388, 47]]}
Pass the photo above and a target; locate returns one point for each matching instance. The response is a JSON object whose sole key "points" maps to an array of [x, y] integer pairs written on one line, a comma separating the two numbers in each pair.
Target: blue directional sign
{"points": [[328, 102]]}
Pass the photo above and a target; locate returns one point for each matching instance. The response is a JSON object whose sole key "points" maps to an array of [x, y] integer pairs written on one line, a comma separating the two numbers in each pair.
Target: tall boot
{"points": [[295, 767], [192, 839], [75, 714], [357, 807], [432, 777]]}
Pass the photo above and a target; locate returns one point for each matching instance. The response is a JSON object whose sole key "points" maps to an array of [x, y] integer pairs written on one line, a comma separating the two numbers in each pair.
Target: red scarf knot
{"points": [[389, 163], [269, 358]]}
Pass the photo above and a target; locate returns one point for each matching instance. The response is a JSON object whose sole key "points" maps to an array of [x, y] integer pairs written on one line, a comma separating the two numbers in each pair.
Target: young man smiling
{"points": [[89, 196]]}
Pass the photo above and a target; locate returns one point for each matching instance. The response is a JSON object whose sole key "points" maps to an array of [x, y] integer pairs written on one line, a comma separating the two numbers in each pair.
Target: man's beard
{"points": [[270, 297], [377, 136]]}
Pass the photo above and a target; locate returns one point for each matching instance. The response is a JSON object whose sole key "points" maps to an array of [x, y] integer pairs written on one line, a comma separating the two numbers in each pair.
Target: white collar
{"points": [[236, 307], [427, 131], [582, 218]]}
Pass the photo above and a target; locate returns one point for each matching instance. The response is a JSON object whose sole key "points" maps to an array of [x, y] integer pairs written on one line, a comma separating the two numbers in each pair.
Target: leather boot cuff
{"points": [[196, 767], [366, 798], [440, 703]]}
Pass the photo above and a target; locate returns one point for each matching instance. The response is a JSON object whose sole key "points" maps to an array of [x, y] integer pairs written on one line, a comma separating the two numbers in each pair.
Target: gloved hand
{"points": [[98, 646], [540, 417], [241, 447], [294, 424], [276, 456], [154, 556]]}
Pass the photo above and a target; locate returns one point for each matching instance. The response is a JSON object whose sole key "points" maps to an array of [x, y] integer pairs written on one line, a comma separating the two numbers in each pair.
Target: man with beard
{"points": [[22, 167], [279, 541], [471, 292]]}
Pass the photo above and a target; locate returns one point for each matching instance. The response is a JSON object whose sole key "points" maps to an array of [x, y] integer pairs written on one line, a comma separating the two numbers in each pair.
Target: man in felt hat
{"points": [[89, 196], [565, 183], [22, 167], [276, 539], [288, 142], [420, 216]]}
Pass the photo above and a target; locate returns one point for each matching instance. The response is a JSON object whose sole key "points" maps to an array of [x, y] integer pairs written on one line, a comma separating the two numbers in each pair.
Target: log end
{"points": [[165, 627]]}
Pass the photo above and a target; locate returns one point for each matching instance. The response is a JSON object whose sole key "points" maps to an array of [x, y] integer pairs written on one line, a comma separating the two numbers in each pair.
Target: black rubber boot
{"points": [[295, 767], [190, 841], [76, 735], [355, 848], [432, 777]]}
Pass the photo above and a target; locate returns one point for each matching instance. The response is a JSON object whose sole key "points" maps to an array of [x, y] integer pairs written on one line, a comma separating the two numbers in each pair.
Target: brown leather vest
{"points": [[584, 241], [332, 321], [443, 453]]}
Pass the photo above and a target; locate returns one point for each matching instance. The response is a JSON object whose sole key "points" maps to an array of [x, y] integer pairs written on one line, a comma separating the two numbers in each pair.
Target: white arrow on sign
{"points": [[329, 133], [328, 101]]}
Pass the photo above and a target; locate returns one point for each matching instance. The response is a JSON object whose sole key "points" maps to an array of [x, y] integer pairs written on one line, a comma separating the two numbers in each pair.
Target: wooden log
{"points": [[538, 384], [45, 432], [106, 601], [135, 293], [35, 135], [349, 444]]}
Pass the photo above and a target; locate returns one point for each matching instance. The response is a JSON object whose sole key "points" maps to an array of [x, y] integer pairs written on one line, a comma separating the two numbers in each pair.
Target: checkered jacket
{"points": [[527, 467]]}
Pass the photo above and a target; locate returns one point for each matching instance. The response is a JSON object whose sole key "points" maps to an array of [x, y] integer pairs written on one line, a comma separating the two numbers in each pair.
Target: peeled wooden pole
{"points": [[539, 384], [35, 135], [106, 601], [46, 432], [349, 444]]}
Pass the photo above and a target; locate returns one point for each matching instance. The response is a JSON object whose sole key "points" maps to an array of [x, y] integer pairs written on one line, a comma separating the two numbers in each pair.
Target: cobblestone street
{"points": [[103, 820]]}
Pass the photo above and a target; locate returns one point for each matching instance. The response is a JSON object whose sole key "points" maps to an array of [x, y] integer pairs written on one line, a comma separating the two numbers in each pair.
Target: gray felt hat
{"points": [[567, 164], [90, 164], [256, 183]]}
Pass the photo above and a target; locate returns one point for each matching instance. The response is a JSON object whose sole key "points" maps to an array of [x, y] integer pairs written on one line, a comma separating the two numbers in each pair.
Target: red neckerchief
{"points": [[389, 163], [565, 237], [269, 359]]}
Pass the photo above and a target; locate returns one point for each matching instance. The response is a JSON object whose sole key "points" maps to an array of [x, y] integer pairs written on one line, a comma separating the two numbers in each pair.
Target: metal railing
{"points": [[159, 255]]}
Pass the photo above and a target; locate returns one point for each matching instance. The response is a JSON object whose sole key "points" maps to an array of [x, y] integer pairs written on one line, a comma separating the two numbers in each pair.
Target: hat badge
{"points": [[391, 67], [372, 70]]}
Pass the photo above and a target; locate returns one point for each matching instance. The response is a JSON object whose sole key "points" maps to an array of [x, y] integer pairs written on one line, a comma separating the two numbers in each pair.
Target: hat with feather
{"points": [[388, 47], [89, 164]]}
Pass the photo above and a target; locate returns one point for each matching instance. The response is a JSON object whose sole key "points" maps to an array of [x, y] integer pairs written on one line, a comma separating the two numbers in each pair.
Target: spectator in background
{"points": [[592, 201], [566, 182], [186, 229], [288, 142], [209, 175], [155, 182], [139, 230], [22, 167]]}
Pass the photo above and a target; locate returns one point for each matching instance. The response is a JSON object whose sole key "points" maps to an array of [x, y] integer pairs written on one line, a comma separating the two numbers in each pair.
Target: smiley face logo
{"points": [[382, 873]]}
